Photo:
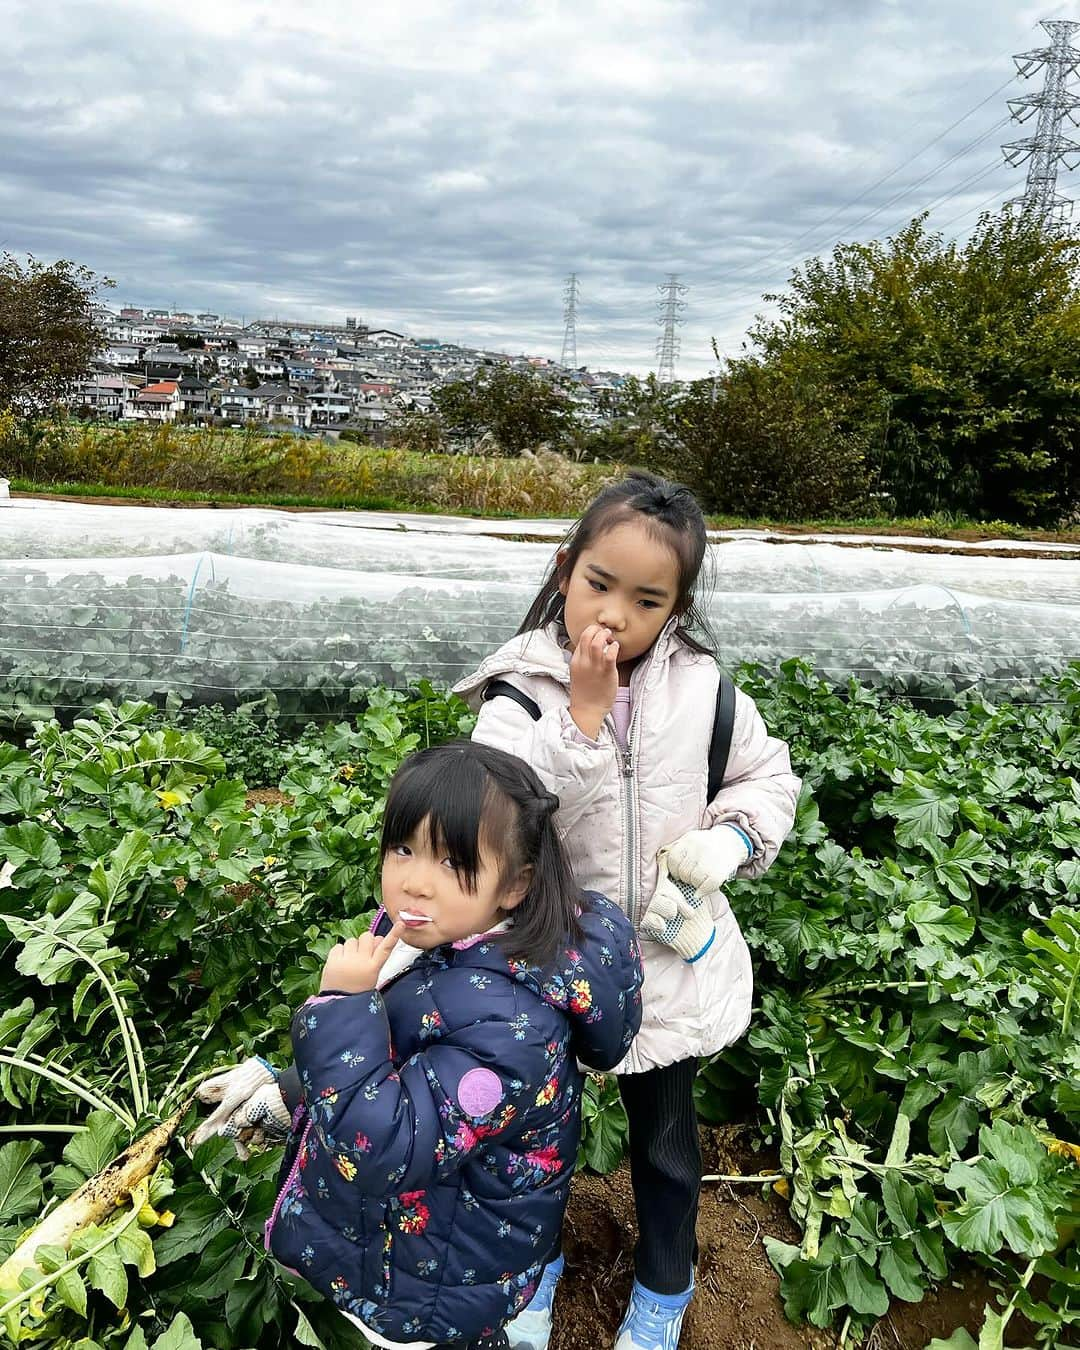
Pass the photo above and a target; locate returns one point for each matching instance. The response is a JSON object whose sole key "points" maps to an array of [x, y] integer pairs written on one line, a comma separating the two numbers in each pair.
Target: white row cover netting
{"points": [[220, 628], [59, 530]]}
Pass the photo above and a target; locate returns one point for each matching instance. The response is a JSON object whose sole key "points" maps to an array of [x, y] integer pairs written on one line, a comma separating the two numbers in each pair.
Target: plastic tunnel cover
{"points": [[41, 529], [216, 627]]}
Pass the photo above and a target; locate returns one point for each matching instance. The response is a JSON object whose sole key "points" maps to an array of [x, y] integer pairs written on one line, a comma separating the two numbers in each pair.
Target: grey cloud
{"points": [[445, 170]]}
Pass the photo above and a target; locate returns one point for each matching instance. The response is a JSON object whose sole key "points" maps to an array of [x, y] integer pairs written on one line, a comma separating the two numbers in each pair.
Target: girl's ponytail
{"points": [[548, 914]]}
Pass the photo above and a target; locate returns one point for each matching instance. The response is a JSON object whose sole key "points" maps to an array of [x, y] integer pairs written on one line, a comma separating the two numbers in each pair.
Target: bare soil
{"points": [[737, 1305], [266, 797]]}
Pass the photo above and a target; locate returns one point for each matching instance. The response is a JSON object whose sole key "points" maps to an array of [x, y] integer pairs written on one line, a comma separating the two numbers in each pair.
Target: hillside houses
{"points": [[161, 365]]}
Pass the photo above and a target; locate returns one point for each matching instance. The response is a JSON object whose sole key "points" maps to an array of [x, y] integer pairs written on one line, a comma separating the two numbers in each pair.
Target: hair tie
{"points": [[548, 803]]}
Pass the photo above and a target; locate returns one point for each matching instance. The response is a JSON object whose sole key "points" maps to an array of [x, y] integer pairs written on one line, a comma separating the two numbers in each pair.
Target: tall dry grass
{"points": [[249, 462]]}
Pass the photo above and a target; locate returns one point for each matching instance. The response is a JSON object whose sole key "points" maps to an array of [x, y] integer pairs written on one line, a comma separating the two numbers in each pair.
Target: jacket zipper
{"points": [[290, 1181], [628, 796]]}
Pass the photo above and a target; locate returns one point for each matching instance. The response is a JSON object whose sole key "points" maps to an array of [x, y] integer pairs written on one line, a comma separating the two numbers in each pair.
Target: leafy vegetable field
{"points": [[914, 1052]]}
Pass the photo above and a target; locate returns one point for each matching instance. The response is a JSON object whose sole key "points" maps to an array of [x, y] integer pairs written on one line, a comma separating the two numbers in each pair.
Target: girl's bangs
{"points": [[453, 794]]}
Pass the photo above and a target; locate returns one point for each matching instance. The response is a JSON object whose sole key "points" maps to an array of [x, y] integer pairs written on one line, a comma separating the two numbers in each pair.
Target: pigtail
{"points": [[547, 917]]}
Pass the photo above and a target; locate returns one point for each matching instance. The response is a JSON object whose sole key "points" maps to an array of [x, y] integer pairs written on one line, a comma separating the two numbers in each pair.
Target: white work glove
{"points": [[707, 859], [248, 1101], [680, 917], [262, 1121]]}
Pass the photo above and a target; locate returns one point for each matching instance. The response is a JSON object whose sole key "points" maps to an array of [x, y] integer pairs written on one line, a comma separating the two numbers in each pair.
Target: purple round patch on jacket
{"points": [[480, 1092]]}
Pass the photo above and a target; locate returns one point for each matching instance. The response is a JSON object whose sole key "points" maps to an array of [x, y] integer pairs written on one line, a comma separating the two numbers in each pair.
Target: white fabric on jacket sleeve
{"points": [[759, 792], [572, 767]]}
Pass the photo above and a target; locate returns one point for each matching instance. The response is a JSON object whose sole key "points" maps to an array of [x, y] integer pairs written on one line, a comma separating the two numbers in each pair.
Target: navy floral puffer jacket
{"points": [[427, 1174]]}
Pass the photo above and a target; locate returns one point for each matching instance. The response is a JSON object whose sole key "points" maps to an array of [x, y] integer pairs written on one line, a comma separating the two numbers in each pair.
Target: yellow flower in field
{"points": [[347, 771], [270, 860], [168, 798], [1062, 1149]]}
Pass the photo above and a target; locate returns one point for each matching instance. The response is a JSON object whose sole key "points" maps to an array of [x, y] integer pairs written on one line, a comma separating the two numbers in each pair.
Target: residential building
{"points": [[269, 367], [100, 395], [384, 337], [122, 353], [328, 409], [288, 407], [253, 346], [194, 397], [160, 402], [239, 404]]}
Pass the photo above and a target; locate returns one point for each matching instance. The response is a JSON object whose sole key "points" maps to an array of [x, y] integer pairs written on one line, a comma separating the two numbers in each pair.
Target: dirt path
{"points": [[737, 1306], [963, 542]]}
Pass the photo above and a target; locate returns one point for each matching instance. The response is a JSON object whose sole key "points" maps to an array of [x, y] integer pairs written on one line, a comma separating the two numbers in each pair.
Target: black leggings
{"points": [[665, 1170]]}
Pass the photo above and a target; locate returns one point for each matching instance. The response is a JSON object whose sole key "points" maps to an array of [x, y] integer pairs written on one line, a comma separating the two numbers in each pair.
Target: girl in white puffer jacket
{"points": [[611, 698]]}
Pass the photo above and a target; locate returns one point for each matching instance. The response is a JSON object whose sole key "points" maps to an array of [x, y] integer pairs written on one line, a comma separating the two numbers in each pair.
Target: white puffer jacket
{"points": [[617, 809]]}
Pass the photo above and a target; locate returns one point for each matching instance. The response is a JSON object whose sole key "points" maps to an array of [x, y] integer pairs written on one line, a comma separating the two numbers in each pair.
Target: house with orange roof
{"points": [[160, 402]]}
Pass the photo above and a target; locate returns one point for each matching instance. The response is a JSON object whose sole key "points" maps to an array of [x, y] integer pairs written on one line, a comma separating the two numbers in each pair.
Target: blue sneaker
{"points": [[531, 1328], [653, 1321]]}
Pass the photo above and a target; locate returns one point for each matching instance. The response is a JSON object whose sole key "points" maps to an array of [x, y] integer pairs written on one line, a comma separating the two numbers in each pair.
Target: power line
{"points": [[968, 210], [884, 206], [742, 268], [819, 225]]}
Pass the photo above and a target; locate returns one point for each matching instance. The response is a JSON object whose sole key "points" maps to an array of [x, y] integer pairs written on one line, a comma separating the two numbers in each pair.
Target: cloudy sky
{"points": [[441, 166]]}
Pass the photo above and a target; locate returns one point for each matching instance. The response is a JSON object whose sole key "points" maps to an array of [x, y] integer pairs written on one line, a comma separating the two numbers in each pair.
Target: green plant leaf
{"points": [[179, 1336], [31, 850], [106, 1272], [1004, 1204], [921, 809], [87, 1152], [961, 1339], [136, 1249], [20, 1180], [71, 1291], [937, 925], [604, 1127], [901, 1271], [43, 954]]}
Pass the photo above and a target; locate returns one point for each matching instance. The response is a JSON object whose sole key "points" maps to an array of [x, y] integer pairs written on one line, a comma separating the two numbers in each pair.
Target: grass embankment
{"points": [[200, 467], [208, 464]]}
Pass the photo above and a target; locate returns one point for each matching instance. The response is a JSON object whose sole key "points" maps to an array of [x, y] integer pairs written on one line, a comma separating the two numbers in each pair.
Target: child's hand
{"points": [[354, 965], [594, 678]]}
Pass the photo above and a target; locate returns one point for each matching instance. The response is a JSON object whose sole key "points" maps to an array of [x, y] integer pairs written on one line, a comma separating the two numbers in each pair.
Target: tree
{"points": [[48, 336], [520, 409], [957, 366], [759, 444]]}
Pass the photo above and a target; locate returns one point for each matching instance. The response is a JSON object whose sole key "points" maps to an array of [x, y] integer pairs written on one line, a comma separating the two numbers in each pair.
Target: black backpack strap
{"points": [[723, 726], [504, 689]]}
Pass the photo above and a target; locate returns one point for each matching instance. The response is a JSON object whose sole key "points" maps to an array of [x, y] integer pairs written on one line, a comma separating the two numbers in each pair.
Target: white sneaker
{"points": [[653, 1321], [531, 1328]]}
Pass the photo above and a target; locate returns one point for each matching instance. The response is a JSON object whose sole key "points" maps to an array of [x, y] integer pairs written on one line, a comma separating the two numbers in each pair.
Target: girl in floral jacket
{"points": [[430, 1157]]}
